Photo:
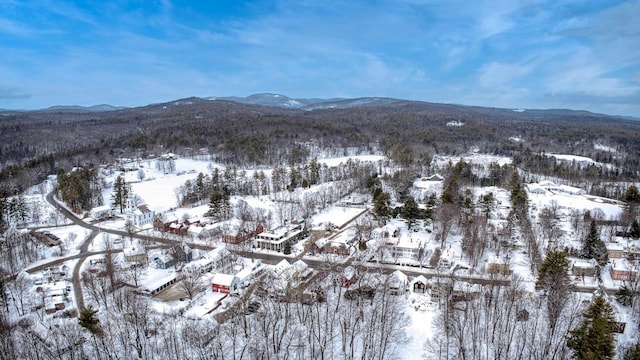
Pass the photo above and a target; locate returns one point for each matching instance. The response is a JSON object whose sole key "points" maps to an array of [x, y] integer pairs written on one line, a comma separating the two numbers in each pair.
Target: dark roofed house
{"points": [[419, 284]]}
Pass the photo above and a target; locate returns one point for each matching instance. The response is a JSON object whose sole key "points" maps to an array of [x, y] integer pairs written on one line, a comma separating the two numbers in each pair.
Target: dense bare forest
{"points": [[517, 294], [37, 144]]}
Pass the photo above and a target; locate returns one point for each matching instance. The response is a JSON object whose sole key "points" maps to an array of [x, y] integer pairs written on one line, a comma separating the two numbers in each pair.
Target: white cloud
{"points": [[500, 75]]}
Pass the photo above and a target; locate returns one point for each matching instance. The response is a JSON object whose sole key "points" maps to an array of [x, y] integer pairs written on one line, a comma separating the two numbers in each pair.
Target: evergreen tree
{"points": [[467, 206], [633, 353], [634, 232], [594, 338], [219, 205], [88, 319], [593, 247], [410, 211], [451, 193], [624, 296], [294, 178], [200, 185], [487, 204], [632, 195], [519, 196], [80, 189], [431, 201], [381, 203], [120, 194], [314, 171], [553, 278], [17, 209], [362, 245]]}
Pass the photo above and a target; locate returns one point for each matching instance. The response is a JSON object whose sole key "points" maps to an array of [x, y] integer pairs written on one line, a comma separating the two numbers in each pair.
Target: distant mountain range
{"points": [[285, 102], [282, 101]]}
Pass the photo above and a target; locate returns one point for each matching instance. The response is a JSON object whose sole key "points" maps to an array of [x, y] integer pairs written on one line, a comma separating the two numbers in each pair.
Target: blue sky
{"points": [[514, 54]]}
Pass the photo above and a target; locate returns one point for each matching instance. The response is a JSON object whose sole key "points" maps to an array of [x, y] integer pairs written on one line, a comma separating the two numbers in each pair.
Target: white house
{"points": [[141, 216], [397, 283], [137, 213], [275, 239], [135, 254]]}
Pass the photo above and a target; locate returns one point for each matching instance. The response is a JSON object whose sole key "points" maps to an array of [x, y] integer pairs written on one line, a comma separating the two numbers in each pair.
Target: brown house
{"points": [[163, 222], [178, 229], [330, 247], [621, 270], [235, 235]]}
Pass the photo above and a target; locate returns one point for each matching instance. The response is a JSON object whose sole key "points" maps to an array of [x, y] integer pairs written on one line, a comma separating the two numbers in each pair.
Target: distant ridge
{"points": [[268, 99], [285, 102], [78, 108], [315, 104]]}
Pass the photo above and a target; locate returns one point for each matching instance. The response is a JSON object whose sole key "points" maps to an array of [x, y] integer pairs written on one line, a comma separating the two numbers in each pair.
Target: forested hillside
{"points": [[37, 144]]}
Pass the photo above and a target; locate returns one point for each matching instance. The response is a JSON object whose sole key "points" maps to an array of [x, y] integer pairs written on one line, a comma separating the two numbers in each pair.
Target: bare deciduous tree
{"points": [[446, 216], [190, 283]]}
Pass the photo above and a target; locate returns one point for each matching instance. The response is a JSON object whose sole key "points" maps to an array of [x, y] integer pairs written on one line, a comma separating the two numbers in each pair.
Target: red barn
{"points": [[224, 283]]}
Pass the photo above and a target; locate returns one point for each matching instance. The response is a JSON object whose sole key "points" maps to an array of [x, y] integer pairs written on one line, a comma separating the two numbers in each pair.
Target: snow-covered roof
{"points": [[420, 279], [349, 272], [281, 266], [546, 183], [280, 232], [168, 217], [223, 279], [615, 247], [399, 275], [321, 242], [535, 188], [55, 288], [300, 266], [622, 264], [157, 278], [243, 274], [584, 264], [434, 177], [144, 209], [102, 208]]}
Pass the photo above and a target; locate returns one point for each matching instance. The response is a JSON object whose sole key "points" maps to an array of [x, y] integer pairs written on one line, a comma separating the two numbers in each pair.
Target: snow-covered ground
{"points": [[575, 158], [472, 158], [157, 190], [337, 216], [611, 209]]}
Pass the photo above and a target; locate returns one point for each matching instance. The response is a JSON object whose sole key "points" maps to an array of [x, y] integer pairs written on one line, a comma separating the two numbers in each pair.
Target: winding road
{"points": [[84, 248], [266, 257]]}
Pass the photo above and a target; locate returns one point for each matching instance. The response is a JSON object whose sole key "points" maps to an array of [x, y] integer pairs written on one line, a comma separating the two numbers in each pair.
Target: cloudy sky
{"points": [[514, 54]]}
